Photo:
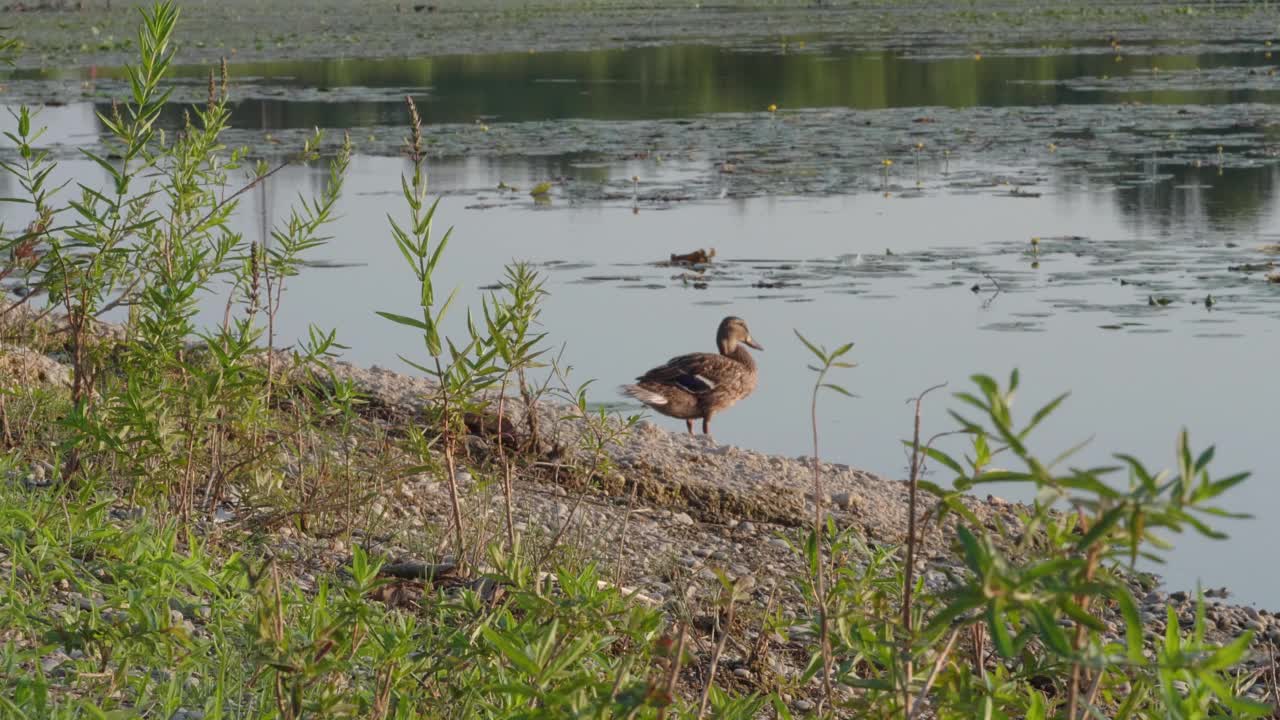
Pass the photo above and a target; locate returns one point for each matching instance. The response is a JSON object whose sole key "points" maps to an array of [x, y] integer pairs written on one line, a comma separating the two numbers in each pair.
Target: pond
{"points": [[1148, 176]]}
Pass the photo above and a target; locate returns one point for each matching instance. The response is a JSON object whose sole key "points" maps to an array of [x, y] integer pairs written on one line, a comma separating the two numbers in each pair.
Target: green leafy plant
{"points": [[828, 360]]}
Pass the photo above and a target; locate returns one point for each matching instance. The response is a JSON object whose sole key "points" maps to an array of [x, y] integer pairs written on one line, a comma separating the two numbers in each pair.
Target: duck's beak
{"points": [[751, 342]]}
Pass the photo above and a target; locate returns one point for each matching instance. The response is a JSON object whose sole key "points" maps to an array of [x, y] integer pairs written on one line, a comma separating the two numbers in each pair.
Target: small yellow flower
{"points": [[1119, 58], [1267, 43], [1035, 241], [1267, 54], [1053, 147], [919, 146], [773, 107], [886, 162], [977, 56]]}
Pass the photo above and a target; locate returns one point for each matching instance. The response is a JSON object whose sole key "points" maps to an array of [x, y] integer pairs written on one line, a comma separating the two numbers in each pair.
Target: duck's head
{"points": [[733, 330]]}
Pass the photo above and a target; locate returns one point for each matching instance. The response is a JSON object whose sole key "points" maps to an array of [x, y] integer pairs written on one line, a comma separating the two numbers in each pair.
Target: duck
{"points": [[699, 385]]}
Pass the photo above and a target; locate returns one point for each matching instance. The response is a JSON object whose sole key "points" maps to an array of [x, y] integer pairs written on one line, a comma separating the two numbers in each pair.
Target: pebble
{"points": [[682, 518], [804, 705], [742, 673], [53, 660]]}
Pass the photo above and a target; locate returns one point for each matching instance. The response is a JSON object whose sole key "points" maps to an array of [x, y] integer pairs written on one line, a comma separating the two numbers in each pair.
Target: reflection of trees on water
{"points": [[1237, 200], [683, 81]]}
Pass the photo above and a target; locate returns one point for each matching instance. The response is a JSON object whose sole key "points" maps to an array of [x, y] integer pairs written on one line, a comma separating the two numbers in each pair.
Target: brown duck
{"points": [[698, 385]]}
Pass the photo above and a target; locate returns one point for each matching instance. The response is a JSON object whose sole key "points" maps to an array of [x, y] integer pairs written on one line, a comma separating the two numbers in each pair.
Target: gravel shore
{"points": [[674, 514]]}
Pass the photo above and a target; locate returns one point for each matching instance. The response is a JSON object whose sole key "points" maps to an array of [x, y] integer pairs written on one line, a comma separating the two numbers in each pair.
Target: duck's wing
{"points": [[697, 373]]}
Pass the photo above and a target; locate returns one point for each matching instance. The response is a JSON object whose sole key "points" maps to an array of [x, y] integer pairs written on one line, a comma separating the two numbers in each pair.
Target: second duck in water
{"points": [[698, 385]]}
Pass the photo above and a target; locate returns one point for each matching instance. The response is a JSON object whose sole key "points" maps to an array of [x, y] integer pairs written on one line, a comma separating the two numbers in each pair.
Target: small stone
{"points": [[1254, 625], [746, 527], [742, 673], [804, 705], [1252, 612], [826, 498], [53, 660], [682, 518]]}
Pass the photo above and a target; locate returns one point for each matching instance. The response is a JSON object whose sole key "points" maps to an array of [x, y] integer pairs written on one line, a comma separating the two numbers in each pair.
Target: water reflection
{"points": [[677, 82], [1214, 199]]}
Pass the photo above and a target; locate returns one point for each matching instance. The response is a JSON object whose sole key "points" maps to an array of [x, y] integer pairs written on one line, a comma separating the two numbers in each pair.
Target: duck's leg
{"points": [[689, 424], [706, 428]]}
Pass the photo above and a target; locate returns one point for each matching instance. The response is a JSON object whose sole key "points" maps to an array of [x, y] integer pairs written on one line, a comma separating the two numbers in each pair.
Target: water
{"points": [[928, 267]]}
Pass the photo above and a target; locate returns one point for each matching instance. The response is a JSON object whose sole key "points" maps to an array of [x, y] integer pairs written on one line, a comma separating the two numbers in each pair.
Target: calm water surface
{"points": [[891, 264]]}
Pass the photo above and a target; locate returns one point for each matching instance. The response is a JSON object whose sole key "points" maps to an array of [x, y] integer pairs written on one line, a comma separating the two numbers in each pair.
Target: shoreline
{"points": [[673, 515]]}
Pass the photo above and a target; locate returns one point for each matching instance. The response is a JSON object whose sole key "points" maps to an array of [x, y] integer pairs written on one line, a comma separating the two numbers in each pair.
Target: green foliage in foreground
{"points": [[120, 599], [140, 619]]}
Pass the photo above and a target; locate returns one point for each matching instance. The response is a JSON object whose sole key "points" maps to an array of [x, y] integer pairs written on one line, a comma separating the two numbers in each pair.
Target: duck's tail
{"points": [[648, 397]]}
